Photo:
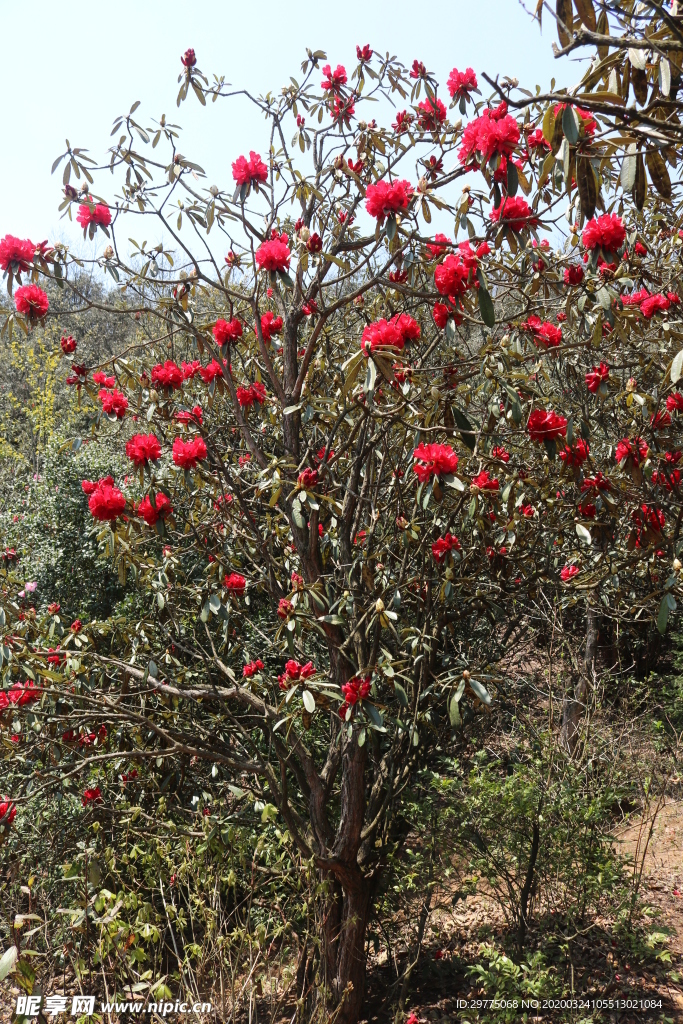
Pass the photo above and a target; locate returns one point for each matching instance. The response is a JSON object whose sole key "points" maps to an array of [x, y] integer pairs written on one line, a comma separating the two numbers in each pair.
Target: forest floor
{"points": [[605, 965]]}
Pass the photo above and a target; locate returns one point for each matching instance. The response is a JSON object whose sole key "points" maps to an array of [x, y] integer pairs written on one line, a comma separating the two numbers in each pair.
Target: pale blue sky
{"points": [[69, 70]]}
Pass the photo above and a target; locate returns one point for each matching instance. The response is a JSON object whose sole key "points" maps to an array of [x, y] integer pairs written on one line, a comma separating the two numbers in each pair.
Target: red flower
{"points": [[546, 425], [674, 403], [53, 608], [460, 83], [294, 673], [20, 694], [595, 484], [270, 325], [343, 110], [500, 453], [308, 478], [432, 114], [386, 198], [103, 379], [245, 171], [438, 460], [235, 583], [577, 454], [356, 689], [255, 393], [68, 344], [660, 420], [285, 608], [640, 249], [152, 513], [537, 140], [528, 511], [8, 812], [606, 232], [196, 416], [251, 668], [190, 370], [441, 314], [169, 375], [654, 304], [380, 336], [544, 333], [573, 275], [91, 796], [669, 479], [273, 254], [93, 213], [631, 448], [437, 247], [113, 402], [569, 572], [225, 331], [364, 54], [17, 251], [495, 132], [673, 457], [635, 298], [649, 517], [106, 502], [31, 301], [187, 454], [210, 372], [442, 546], [408, 328], [314, 243], [333, 80], [76, 626], [515, 213], [483, 482], [188, 59], [403, 122], [598, 375], [418, 70], [452, 276]]}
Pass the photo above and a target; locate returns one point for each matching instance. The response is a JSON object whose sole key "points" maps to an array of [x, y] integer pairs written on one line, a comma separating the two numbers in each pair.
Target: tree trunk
{"points": [[573, 708], [349, 983]]}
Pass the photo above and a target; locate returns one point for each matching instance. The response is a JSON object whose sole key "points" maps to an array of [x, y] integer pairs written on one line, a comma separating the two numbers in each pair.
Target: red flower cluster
{"points": [[647, 517], [660, 420], [93, 213], [537, 140], [595, 484], [235, 583], [254, 394], [152, 513], [674, 403], [8, 812], [432, 114], [187, 454], [356, 689], [606, 232], [634, 448], [442, 546], [364, 54], [438, 460], [295, 673], [546, 425], [270, 325], [461, 83], [143, 448], [195, 416], [333, 80], [68, 344], [251, 668], [598, 375], [245, 171], [573, 275], [284, 608], [500, 453], [576, 455], [190, 370], [17, 252], [31, 301], [114, 403], [169, 375], [274, 254], [225, 331], [483, 482], [210, 372], [381, 335], [438, 246], [515, 213], [387, 198], [91, 796], [106, 502], [658, 304], [308, 478], [544, 333], [569, 572], [495, 132], [103, 379], [19, 694]]}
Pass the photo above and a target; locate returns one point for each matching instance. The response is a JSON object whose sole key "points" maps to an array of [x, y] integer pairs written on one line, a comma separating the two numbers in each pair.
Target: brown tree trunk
{"points": [[349, 983], [573, 708]]}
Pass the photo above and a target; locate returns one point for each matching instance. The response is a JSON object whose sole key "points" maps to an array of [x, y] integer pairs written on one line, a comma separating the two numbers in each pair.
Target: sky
{"points": [[69, 77]]}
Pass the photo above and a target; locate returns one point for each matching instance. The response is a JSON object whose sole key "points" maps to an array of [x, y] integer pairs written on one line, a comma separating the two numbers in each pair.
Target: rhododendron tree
{"points": [[375, 434]]}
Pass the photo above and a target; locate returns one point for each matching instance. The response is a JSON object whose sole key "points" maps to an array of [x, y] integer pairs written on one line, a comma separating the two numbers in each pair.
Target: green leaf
{"points": [[296, 514], [467, 430], [7, 961], [663, 616], [454, 712], [309, 701], [488, 313], [374, 715], [676, 367], [570, 125], [481, 691], [391, 227], [401, 694], [583, 533], [370, 377], [513, 178]]}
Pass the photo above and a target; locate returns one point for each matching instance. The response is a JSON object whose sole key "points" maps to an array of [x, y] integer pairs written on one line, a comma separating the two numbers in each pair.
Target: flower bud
{"points": [[108, 253], [304, 234], [379, 606], [466, 675], [631, 384], [677, 565]]}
